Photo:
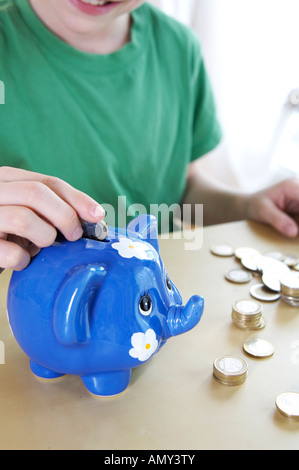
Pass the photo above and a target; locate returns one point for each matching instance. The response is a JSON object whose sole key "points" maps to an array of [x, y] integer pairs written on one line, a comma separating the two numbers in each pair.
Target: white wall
{"points": [[251, 52]]}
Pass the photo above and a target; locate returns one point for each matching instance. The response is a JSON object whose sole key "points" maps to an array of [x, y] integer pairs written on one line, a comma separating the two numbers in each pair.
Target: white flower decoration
{"points": [[128, 248], [144, 345]]}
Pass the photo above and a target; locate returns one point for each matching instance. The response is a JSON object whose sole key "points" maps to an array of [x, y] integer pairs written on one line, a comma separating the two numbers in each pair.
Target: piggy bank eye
{"points": [[145, 305], [168, 283]]}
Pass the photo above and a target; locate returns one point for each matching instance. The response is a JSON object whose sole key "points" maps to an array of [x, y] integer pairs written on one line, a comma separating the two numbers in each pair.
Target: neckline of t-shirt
{"points": [[101, 64]]}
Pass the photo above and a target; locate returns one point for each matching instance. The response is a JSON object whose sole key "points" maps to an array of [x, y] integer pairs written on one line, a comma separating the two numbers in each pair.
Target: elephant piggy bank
{"points": [[98, 309]]}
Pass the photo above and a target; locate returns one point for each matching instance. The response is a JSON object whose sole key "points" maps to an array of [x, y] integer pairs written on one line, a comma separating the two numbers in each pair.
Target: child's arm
{"points": [[32, 207]]}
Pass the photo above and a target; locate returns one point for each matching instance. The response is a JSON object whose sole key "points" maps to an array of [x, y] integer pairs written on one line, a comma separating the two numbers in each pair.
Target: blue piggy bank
{"points": [[98, 309]]}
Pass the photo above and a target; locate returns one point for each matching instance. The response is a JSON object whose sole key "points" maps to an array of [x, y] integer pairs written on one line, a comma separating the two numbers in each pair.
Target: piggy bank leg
{"points": [[43, 372], [107, 383]]}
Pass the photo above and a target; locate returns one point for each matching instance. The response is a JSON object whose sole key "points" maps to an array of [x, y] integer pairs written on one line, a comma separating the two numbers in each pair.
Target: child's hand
{"points": [[277, 206], [32, 207]]}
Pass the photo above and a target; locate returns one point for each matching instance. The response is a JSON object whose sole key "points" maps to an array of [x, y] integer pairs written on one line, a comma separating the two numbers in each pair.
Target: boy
{"points": [[111, 98]]}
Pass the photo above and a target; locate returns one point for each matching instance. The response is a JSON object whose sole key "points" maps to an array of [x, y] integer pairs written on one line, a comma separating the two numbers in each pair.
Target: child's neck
{"points": [[97, 39], [105, 41]]}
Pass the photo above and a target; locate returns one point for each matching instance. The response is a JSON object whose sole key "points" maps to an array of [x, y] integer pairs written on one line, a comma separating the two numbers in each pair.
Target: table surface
{"points": [[173, 401]]}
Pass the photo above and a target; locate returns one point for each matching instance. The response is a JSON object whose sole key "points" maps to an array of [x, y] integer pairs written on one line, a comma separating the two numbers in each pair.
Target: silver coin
{"points": [[243, 251], [222, 250], [291, 280], [247, 307], [271, 281], [97, 231], [259, 326], [288, 404], [266, 263], [261, 292], [101, 230], [258, 347], [275, 255], [290, 260], [252, 262], [238, 276]]}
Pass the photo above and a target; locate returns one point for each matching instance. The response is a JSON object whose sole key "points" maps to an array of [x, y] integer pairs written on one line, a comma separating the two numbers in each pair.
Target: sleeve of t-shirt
{"points": [[207, 132]]}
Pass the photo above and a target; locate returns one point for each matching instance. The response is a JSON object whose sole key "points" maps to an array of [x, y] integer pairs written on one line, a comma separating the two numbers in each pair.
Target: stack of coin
{"points": [[247, 314], [230, 370], [290, 289]]}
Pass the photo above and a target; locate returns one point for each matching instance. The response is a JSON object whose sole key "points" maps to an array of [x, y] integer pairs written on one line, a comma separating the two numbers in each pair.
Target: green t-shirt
{"points": [[125, 124]]}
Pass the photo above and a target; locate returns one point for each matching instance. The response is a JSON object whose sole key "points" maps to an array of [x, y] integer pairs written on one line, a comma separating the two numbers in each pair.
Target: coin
{"points": [[101, 230], [291, 260], [243, 251], [247, 307], [222, 250], [261, 292], [238, 276], [253, 324], [258, 347], [296, 267], [291, 280], [97, 231], [271, 281], [288, 404], [230, 370], [252, 262], [275, 255], [272, 273], [260, 325], [247, 314], [290, 289], [266, 263]]}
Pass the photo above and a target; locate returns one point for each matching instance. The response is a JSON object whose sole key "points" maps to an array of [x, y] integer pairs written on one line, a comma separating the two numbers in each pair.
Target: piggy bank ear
{"points": [[146, 226], [71, 314]]}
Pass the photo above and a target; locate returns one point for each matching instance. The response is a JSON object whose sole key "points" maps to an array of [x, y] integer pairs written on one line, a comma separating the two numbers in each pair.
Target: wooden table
{"points": [[173, 401]]}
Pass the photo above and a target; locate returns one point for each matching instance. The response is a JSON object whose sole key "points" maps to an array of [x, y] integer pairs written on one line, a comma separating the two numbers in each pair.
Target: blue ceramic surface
{"points": [[98, 309]]}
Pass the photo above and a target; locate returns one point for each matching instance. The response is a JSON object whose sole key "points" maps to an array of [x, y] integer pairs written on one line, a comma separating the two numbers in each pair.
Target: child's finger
{"points": [[25, 223], [13, 256], [85, 206], [41, 200]]}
